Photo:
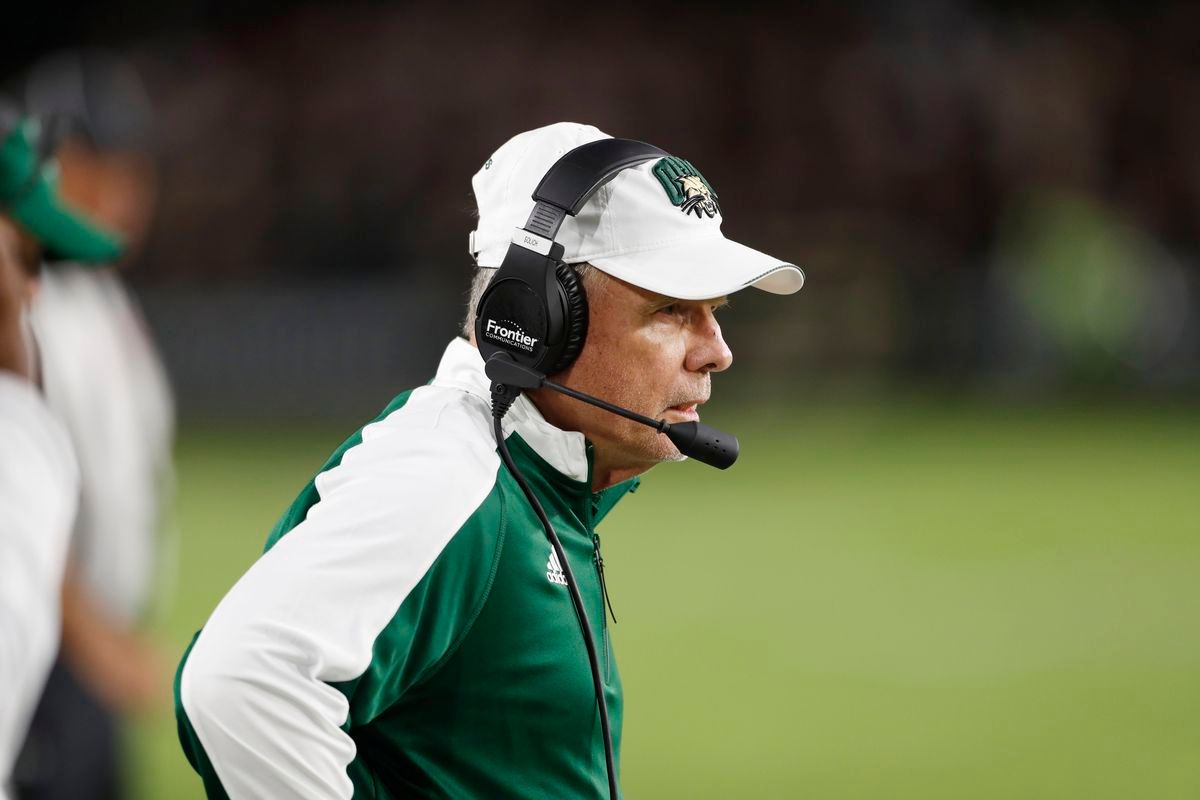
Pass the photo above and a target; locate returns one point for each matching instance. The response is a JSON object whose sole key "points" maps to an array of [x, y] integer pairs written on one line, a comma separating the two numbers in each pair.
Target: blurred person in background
{"points": [[39, 476], [106, 383]]}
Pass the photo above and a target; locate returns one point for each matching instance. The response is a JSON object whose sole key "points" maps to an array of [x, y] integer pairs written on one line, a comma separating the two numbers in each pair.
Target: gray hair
{"points": [[591, 278]]}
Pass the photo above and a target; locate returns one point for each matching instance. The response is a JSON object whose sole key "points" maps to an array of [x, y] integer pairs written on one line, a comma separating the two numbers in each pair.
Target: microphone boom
{"points": [[694, 439]]}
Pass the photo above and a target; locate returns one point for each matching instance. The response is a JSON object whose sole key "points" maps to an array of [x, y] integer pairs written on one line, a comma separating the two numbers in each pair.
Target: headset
{"points": [[532, 321], [535, 308]]}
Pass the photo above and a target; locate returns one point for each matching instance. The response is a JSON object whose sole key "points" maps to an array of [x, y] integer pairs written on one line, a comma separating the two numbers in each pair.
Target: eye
{"points": [[670, 310]]}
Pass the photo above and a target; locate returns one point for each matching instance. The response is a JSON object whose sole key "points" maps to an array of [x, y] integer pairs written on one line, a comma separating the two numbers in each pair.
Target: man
{"points": [[408, 631], [39, 479], [103, 379]]}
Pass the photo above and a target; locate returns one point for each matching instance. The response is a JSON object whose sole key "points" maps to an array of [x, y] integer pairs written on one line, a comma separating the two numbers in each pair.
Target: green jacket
{"points": [[407, 632]]}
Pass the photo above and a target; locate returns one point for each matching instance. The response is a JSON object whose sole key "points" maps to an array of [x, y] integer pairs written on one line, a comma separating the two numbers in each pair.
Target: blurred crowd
{"points": [[976, 191]]}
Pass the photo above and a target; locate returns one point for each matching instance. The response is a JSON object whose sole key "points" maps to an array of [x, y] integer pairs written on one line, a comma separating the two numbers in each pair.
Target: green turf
{"points": [[878, 601]]}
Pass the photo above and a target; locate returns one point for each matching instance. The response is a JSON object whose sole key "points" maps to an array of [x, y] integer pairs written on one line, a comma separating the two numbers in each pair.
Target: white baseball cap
{"points": [[656, 225]]}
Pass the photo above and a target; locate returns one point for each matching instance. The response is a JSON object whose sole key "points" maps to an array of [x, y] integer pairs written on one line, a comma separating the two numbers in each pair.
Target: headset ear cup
{"points": [[577, 315]]}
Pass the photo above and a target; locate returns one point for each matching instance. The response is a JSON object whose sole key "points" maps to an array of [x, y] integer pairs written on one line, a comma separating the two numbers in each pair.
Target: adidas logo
{"points": [[554, 570]]}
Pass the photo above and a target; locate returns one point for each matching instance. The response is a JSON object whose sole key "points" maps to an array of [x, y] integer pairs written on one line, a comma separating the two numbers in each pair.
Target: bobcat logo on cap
{"points": [[686, 187]]}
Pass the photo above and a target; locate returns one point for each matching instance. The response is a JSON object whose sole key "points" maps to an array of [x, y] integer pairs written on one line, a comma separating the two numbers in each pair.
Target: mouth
{"points": [[687, 411]]}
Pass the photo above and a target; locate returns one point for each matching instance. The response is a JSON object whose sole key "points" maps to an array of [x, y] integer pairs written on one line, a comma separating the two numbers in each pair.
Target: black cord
{"points": [[502, 398]]}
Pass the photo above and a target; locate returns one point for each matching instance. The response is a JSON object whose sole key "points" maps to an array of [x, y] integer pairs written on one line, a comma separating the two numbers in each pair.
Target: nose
{"points": [[707, 351]]}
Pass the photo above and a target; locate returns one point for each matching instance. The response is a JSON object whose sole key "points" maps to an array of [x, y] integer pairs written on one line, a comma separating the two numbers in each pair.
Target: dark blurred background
{"points": [[996, 195], [960, 555]]}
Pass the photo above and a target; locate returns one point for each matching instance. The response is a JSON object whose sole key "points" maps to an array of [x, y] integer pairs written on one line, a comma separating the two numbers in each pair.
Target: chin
{"points": [[664, 451], [641, 448]]}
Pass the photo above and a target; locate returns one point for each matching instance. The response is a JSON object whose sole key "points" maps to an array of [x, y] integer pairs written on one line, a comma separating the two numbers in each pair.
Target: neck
{"points": [[609, 465], [605, 472], [604, 476]]}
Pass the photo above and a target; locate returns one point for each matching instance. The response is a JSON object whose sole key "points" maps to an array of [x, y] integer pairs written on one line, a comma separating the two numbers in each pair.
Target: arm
{"points": [[259, 714], [120, 665]]}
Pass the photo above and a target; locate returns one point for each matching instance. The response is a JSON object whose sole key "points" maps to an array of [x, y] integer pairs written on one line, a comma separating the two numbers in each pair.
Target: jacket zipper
{"points": [[598, 560]]}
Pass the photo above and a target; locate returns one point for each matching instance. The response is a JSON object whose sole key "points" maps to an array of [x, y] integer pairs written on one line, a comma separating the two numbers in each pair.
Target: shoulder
{"points": [[434, 415], [434, 456], [438, 432], [69, 304]]}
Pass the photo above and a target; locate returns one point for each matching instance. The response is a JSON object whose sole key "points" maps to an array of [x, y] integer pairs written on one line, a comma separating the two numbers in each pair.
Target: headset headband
{"points": [[573, 179]]}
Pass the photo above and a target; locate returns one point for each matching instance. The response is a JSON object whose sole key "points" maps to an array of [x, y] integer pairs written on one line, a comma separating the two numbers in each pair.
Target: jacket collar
{"points": [[565, 451]]}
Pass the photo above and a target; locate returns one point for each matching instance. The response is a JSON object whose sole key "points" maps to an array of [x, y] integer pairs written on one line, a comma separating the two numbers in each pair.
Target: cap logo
{"points": [[686, 187]]}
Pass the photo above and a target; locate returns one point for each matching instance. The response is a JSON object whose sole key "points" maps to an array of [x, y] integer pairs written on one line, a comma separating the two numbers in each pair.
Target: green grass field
{"points": [[878, 601]]}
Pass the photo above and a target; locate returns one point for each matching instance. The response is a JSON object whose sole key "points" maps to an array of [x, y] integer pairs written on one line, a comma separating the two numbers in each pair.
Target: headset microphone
{"points": [[694, 439]]}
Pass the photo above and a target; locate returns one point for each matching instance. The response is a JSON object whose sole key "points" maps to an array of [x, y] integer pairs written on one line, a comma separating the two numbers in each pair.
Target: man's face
{"points": [[649, 353], [117, 190]]}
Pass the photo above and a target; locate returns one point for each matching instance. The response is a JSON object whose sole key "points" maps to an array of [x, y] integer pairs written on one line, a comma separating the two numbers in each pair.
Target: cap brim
{"points": [[702, 268], [63, 234]]}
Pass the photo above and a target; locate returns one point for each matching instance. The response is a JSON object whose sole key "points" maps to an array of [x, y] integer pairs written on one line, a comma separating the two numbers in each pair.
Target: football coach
{"points": [[428, 617]]}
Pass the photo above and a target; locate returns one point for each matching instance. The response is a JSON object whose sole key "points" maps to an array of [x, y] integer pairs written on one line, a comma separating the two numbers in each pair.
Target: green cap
{"points": [[29, 195]]}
